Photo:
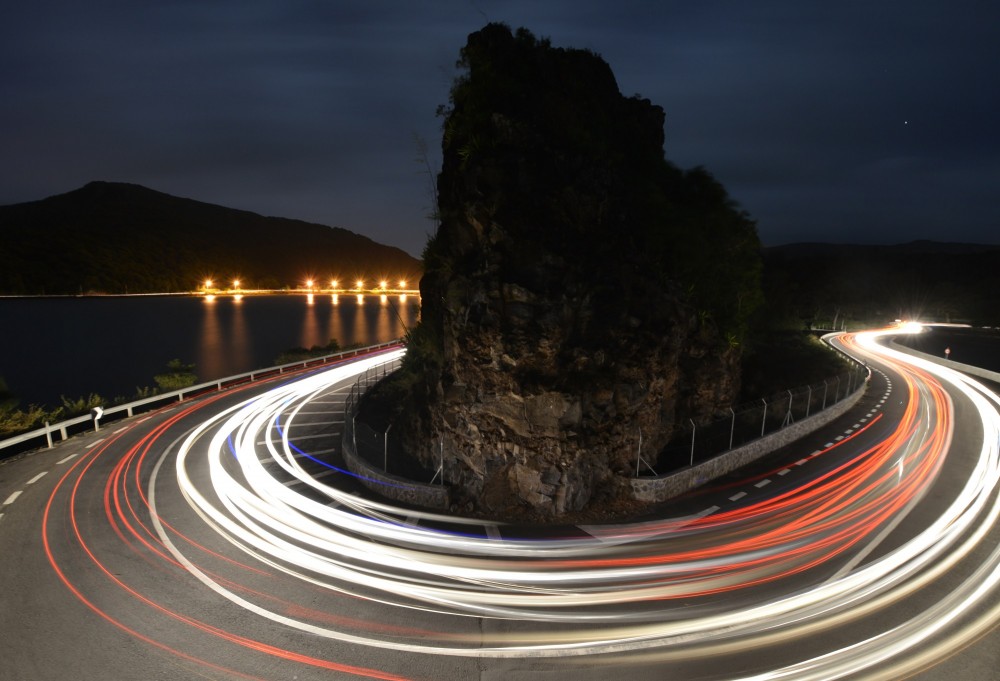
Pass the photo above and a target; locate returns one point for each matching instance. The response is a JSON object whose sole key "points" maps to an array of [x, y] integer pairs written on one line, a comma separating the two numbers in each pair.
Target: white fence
{"points": [[63, 429]]}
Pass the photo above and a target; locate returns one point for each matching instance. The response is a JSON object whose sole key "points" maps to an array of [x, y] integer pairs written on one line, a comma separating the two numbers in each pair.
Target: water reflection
{"points": [[222, 335], [310, 328], [210, 349], [241, 342]]}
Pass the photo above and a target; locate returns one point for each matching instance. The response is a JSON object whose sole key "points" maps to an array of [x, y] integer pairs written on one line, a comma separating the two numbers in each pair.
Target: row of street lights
{"points": [[312, 284]]}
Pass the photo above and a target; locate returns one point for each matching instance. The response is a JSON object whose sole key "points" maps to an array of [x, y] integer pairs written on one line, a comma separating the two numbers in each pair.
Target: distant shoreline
{"points": [[226, 293]]}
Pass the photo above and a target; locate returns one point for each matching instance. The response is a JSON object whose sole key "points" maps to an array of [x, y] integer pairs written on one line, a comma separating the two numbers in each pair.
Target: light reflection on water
{"points": [[111, 345]]}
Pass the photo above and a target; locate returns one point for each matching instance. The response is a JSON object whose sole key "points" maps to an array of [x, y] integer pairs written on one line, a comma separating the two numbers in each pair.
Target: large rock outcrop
{"points": [[582, 296]]}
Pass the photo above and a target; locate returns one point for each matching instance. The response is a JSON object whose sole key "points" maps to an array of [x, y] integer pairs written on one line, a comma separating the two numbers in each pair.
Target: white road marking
{"points": [[784, 471], [122, 429], [763, 483], [37, 478], [95, 442], [12, 498], [71, 456], [737, 496]]}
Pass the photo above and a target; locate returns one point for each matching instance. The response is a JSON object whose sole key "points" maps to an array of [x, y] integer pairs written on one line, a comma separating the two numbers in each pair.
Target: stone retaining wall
{"points": [[397, 489]]}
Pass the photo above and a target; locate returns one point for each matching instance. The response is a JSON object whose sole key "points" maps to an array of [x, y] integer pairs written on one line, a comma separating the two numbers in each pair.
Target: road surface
{"points": [[220, 539]]}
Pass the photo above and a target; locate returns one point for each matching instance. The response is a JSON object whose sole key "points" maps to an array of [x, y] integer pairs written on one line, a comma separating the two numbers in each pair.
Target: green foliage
{"points": [[177, 376], [830, 286], [14, 421], [301, 354], [80, 405]]}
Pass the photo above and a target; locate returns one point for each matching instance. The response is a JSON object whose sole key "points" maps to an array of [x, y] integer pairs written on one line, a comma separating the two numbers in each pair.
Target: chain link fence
{"points": [[379, 448], [693, 443], [697, 442]]}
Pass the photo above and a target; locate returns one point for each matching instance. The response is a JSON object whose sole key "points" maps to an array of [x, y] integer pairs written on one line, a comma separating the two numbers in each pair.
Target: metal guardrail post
{"points": [[129, 408]]}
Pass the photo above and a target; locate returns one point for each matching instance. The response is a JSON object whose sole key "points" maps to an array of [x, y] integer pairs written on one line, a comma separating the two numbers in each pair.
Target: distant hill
{"points": [[934, 281], [123, 238]]}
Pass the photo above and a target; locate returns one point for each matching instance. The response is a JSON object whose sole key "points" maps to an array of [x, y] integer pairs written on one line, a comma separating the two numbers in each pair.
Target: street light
{"points": [[359, 284]]}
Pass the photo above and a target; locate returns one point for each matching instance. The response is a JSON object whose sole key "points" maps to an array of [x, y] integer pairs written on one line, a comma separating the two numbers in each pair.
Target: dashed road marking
{"points": [[707, 511], [826, 446], [71, 456], [95, 442], [784, 471], [839, 438], [737, 496], [802, 461], [493, 532], [763, 483], [120, 430], [37, 478], [144, 420], [12, 498]]}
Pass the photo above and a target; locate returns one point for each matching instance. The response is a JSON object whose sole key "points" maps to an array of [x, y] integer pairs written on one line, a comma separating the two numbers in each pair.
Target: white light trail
{"points": [[626, 577]]}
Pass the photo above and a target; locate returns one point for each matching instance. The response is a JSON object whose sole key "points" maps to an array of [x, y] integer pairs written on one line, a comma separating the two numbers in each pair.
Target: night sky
{"points": [[845, 122]]}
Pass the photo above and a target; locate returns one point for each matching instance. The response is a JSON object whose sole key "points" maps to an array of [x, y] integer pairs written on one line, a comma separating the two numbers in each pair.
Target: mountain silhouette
{"points": [[110, 237]]}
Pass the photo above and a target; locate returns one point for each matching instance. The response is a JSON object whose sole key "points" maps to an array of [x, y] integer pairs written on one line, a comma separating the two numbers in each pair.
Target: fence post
{"points": [[788, 416], [836, 397], [732, 427], [638, 454], [809, 399], [825, 387], [693, 429], [48, 434], [385, 452], [763, 420]]}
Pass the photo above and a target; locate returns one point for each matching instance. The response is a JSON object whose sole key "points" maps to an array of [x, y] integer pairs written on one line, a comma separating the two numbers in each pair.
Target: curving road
{"points": [[219, 539]]}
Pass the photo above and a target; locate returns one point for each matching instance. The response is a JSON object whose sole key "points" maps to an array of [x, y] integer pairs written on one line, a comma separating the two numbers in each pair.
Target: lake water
{"points": [[112, 345], [978, 347]]}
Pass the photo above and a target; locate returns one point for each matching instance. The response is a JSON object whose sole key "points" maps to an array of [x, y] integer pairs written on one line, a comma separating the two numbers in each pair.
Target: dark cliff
{"points": [[582, 295]]}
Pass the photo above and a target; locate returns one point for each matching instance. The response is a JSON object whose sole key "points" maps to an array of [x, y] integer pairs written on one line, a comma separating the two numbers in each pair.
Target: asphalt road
{"points": [[213, 539]]}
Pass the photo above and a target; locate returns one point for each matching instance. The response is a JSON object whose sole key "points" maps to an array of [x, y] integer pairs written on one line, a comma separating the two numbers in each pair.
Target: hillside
{"points": [[827, 284], [124, 238]]}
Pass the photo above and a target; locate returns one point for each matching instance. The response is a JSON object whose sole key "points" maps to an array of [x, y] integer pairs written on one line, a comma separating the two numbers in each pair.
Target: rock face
{"points": [[559, 330]]}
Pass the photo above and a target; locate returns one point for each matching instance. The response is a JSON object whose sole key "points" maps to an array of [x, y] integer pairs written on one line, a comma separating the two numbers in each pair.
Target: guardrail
{"points": [[75, 425]]}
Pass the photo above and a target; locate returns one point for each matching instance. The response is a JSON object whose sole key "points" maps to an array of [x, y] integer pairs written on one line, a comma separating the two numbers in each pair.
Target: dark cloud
{"points": [[851, 121]]}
